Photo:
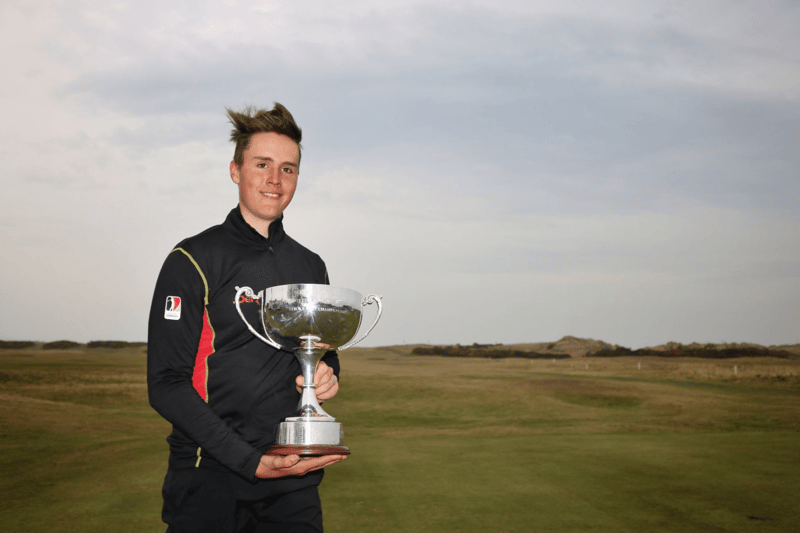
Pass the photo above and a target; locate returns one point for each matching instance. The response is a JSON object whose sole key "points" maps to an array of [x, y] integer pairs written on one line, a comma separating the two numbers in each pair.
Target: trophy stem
{"points": [[309, 355], [313, 432]]}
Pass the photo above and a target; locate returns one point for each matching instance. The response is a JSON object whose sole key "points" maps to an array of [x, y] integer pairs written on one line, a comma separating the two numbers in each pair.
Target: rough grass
{"points": [[439, 444]]}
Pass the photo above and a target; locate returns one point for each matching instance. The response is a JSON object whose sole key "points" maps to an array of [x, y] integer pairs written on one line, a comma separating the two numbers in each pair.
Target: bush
{"points": [[496, 353], [60, 345], [16, 345], [114, 345], [707, 351]]}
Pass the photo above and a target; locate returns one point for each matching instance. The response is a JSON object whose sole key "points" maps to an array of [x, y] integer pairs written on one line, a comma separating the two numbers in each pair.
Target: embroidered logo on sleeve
{"points": [[173, 309]]}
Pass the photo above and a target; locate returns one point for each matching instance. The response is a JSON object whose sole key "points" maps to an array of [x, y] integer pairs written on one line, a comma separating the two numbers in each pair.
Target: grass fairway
{"points": [[438, 444]]}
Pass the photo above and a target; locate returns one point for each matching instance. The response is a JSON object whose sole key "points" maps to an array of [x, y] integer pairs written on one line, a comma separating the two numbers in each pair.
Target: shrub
{"points": [[707, 351], [114, 345], [496, 353], [16, 345], [60, 345]]}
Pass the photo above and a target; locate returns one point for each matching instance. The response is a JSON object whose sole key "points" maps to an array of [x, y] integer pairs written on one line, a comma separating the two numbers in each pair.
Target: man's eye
{"points": [[261, 165], [288, 170]]}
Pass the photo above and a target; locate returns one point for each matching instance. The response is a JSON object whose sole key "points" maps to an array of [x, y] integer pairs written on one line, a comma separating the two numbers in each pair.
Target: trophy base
{"points": [[310, 450], [308, 437]]}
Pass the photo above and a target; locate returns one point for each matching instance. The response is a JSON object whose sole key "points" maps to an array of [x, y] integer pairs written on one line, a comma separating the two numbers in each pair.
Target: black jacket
{"points": [[223, 389]]}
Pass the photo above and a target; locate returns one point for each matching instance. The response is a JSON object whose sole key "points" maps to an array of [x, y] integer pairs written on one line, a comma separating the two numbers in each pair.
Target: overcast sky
{"points": [[500, 171]]}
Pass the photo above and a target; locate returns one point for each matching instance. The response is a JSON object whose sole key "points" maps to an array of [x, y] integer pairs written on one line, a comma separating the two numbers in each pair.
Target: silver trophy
{"points": [[309, 320]]}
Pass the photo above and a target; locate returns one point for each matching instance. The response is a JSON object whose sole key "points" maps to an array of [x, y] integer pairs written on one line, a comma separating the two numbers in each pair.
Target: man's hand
{"points": [[272, 466], [327, 383]]}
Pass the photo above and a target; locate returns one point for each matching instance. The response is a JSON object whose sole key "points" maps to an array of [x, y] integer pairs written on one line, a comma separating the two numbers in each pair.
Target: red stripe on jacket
{"points": [[204, 349]]}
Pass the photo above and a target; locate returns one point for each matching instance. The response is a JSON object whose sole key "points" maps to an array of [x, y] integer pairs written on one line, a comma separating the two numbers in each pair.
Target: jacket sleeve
{"points": [[174, 332]]}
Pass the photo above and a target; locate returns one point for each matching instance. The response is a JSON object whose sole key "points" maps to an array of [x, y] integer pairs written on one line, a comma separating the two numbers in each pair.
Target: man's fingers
{"points": [[328, 390], [281, 462], [322, 374], [286, 461], [315, 463], [273, 466], [325, 381]]}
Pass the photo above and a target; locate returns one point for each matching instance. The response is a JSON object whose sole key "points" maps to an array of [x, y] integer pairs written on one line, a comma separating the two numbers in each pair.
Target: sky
{"points": [[499, 171]]}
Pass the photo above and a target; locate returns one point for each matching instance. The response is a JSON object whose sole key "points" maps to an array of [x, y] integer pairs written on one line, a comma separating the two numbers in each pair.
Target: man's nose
{"points": [[273, 175]]}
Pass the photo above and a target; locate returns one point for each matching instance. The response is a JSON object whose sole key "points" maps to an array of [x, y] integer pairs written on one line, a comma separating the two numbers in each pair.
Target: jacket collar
{"points": [[236, 222]]}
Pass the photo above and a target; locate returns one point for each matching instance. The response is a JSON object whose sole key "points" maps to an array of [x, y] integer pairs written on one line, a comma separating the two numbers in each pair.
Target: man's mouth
{"points": [[270, 195]]}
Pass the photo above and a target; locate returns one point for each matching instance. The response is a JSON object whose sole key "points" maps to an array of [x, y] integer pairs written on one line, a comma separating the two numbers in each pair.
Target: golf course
{"points": [[439, 444]]}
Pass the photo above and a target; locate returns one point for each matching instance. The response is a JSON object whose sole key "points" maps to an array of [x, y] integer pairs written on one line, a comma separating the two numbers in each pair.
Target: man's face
{"points": [[267, 178]]}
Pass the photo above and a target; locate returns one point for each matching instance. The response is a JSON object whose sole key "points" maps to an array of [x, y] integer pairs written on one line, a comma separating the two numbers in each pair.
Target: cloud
{"points": [[500, 172]]}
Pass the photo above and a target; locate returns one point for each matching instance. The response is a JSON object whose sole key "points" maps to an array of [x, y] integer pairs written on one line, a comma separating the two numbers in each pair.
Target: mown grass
{"points": [[80, 447], [438, 444]]}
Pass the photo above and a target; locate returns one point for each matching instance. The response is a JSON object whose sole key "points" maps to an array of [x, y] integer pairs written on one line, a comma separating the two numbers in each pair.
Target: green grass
{"points": [[599, 482], [80, 448], [438, 445]]}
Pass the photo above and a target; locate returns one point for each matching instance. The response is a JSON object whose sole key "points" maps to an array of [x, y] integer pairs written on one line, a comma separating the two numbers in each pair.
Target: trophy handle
{"points": [[248, 292], [372, 298]]}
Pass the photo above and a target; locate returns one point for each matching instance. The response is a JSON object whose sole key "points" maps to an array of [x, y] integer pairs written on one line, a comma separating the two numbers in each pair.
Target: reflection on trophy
{"points": [[309, 320]]}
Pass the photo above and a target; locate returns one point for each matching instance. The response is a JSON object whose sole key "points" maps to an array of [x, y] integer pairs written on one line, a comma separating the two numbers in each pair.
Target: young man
{"points": [[223, 389]]}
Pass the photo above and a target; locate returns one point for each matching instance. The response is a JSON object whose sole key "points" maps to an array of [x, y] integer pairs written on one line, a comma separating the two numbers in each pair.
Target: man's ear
{"points": [[234, 172]]}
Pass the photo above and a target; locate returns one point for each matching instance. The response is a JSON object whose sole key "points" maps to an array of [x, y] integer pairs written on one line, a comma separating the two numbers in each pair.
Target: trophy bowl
{"points": [[291, 314], [309, 320]]}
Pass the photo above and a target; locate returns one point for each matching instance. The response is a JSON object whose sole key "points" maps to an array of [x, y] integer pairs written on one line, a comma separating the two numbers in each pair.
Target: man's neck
{"points": [[261, 226]]}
